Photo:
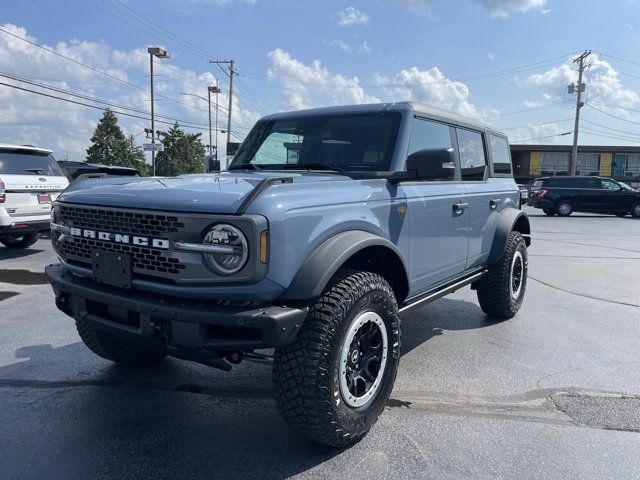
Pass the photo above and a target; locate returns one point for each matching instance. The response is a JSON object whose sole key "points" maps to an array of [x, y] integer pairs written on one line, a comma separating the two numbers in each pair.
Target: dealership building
{"points": [[618, 162]]}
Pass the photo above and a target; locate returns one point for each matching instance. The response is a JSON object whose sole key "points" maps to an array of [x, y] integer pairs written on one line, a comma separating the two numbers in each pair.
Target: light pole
{"points": [[210, 89], [214, 89], [160, 53]]}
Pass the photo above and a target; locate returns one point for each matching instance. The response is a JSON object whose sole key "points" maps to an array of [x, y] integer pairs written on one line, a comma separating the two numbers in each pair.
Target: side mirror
{"points": [[432, 164]]}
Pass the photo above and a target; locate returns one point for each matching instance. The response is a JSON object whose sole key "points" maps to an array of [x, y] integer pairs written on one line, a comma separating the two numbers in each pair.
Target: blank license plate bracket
{"points": [[111, 268]]}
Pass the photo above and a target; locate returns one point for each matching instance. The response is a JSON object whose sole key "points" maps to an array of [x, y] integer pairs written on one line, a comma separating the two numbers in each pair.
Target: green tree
{"points": [[183, 153], [109, 146]]}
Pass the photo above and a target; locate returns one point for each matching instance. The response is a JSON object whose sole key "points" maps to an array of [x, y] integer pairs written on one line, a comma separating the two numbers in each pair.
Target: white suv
{"points": [[30, 179]]}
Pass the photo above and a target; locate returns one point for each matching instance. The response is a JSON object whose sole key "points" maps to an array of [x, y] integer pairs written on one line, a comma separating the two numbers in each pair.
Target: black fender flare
{"points": [[510, 219], [315, 273]]}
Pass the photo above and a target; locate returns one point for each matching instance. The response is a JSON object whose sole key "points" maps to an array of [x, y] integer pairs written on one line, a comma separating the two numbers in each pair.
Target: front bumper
{"points": [[18, 228], [190, 329]]}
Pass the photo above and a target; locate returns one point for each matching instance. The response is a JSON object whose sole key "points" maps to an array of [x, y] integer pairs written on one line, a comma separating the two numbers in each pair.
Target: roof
{"points": [[8, 146], [581, 148], [74, 163], [418, 108]]}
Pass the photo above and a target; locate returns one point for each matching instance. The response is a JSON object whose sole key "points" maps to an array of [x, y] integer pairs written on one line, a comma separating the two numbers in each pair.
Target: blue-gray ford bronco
{"points": [[327, 226]]}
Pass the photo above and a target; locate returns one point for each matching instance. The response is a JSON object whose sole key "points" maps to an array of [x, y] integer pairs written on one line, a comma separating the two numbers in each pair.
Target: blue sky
{"points": [[506, 62]]}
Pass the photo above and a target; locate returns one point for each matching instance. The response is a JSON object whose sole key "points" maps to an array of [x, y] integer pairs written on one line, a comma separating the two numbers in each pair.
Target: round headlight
{"points": [[233, 252]]}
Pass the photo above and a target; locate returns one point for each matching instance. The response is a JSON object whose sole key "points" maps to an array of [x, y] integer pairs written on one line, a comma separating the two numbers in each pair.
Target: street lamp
{"points": [[213, 89], [160, 53], [210, 89]]}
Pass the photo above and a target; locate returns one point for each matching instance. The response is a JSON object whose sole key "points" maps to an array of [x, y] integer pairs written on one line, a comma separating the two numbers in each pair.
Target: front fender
{"points": [[510, 219], [325, 261]]}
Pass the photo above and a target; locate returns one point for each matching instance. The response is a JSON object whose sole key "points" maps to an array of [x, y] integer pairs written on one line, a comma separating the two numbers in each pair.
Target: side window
{"points": [[609, 185], [500, 154], [591, 183], [473, 161], [432, 135]]}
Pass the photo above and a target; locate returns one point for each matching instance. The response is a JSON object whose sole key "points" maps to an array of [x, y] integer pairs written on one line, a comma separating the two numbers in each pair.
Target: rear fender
{"points": [[510, 219]]}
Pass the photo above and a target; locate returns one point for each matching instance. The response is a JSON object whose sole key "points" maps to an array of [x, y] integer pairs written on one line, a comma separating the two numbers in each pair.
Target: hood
{"points": [[207, 193]]}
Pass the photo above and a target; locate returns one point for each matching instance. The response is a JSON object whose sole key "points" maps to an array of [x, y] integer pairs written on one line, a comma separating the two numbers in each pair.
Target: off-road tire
{"points": [[306, 373], [20, 241], [563, 208], [495, 292], [635, 210], [117, 350], [549, 212]]}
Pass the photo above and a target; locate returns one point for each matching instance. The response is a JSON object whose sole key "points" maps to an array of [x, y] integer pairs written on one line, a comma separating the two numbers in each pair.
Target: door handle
{"points": [[494, 202], [460, 207]]}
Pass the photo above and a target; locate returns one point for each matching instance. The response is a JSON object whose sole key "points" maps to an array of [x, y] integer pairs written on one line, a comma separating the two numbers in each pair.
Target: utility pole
{"points": [[580, 87], [231, 73]]}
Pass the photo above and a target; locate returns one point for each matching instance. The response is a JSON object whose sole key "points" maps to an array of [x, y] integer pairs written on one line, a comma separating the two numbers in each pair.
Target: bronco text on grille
{"points": [[134, 233]]}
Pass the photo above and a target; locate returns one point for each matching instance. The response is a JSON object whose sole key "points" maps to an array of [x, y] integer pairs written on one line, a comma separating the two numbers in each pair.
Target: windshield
{"points": [[357, 142], [21, 162], [625, 186]]}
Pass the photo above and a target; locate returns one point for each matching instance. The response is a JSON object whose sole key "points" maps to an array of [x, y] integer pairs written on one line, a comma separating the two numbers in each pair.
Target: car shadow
{"points": [[177, 420], [422, 324], [10, 253], [98, 420]]}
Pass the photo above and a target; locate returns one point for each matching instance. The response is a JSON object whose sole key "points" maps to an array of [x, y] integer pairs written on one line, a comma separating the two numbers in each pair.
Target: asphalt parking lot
{"points": [[552, 393]]}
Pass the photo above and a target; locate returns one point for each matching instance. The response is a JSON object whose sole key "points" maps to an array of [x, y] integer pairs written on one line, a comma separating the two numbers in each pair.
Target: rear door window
{"points": [[14, 162], [500, 155], [473, 161]]}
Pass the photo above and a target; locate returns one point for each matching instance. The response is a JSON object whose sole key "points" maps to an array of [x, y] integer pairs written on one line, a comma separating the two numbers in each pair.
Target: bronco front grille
{"points": [[133, 223], [145, 261]]}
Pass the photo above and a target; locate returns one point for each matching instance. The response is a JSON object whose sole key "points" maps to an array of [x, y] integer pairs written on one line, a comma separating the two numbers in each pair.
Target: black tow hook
{"points": [[63, 304]]}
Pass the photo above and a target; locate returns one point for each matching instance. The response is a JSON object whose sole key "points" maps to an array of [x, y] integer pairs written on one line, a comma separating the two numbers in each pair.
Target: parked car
{"points": [[564, 195], [329, 224], [524, 194], [75, 169], [30, 179]]}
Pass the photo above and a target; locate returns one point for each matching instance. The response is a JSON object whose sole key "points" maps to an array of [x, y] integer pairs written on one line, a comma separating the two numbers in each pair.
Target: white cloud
{"points": [[496, 8], [602, 82], [352, 16], [313, 85], [341, 45], [491, 56], [29, 118], [431, 87], [365, 48], [306, 86], [504, 8]]}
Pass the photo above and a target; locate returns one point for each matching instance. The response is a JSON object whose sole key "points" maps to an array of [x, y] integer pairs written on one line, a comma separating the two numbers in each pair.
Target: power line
{"points": [[76, 102], [612, 129], [96, 69], [549, 61], [92, 99], [599, 133], [536, 124], [539, 138], [611, 115]]}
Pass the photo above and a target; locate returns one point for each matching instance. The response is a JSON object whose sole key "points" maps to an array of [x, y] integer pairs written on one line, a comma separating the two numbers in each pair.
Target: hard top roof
{"points": [[417, 108]]}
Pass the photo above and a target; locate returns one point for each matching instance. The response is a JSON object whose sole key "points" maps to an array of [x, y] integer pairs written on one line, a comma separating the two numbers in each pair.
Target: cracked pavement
{"points": [[552, 393]]}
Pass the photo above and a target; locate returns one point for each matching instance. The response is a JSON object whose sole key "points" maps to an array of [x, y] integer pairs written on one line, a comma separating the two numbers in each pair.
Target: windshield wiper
{"points": [[245, 166], [312, 166], [34, 170]]}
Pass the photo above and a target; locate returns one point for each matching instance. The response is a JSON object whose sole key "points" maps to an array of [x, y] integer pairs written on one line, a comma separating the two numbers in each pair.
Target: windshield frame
{"points": [[264, 127]]}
